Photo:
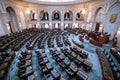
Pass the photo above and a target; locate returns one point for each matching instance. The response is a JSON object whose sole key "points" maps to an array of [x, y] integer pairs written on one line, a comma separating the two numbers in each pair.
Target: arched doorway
{"points": [[68, 16], [97, 27], [80, 16], [56, 15], [12, 23], [98, 19], [44, 16]]}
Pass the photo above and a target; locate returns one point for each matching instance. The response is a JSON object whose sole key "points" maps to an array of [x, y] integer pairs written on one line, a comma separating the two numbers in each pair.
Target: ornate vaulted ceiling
{"points": [[57, 2]]}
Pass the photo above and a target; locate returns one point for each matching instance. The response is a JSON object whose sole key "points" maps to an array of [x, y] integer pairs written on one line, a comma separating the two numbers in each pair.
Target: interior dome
{"points": [[57, 2]]}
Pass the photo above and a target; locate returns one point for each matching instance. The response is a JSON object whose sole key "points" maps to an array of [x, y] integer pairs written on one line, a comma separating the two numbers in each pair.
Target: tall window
{"points": [[45, 16], [33, 15], [56, 16], [67, 15]]}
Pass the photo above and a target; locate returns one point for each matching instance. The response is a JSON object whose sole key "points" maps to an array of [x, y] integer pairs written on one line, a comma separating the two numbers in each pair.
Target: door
{"points": [[97, 26]]}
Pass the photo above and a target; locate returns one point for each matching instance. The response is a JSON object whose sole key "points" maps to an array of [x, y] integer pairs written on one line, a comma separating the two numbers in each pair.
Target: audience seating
{"points": [[79, 52], [113, 64], [49, 72], [115, 53], [82, 75], [68, 58], [79, 45], [15, 40], [59, 42], [65, 63], [51, 41], [25, 70], [65, 40], [107, 72], [5, 62], [33, 42], [42, 40]]}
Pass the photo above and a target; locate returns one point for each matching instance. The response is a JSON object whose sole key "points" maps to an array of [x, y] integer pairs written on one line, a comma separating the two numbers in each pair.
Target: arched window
{"points": [[12, 23], [33, 15], [56, 16], [45, 16], [78, 15], [67, 15]]}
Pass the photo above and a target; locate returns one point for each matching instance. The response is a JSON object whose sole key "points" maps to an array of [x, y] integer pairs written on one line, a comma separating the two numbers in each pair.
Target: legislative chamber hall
{"points": [[59, 39]]}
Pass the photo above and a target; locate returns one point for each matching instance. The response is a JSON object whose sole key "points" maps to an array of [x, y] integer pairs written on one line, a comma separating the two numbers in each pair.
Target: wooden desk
{"points": [[88, 65], [73, 68], [49, 66], [66, 61], [55, 74], [81, 75], [103, 39], [96, 43]]}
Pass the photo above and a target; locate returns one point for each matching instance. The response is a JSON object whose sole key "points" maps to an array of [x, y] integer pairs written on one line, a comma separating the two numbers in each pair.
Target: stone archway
{"points": [[12, 23], [56, 15], [113, 20], [44, 15], [97, 18]]}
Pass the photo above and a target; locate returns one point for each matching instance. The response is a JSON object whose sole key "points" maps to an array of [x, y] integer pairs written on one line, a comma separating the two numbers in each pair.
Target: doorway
{"points": [[12, 19], [10, 26], [97, 27]]}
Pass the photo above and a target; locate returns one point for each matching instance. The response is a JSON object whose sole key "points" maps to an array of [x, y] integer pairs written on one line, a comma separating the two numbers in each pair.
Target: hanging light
{"points": [[28, 11]]}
